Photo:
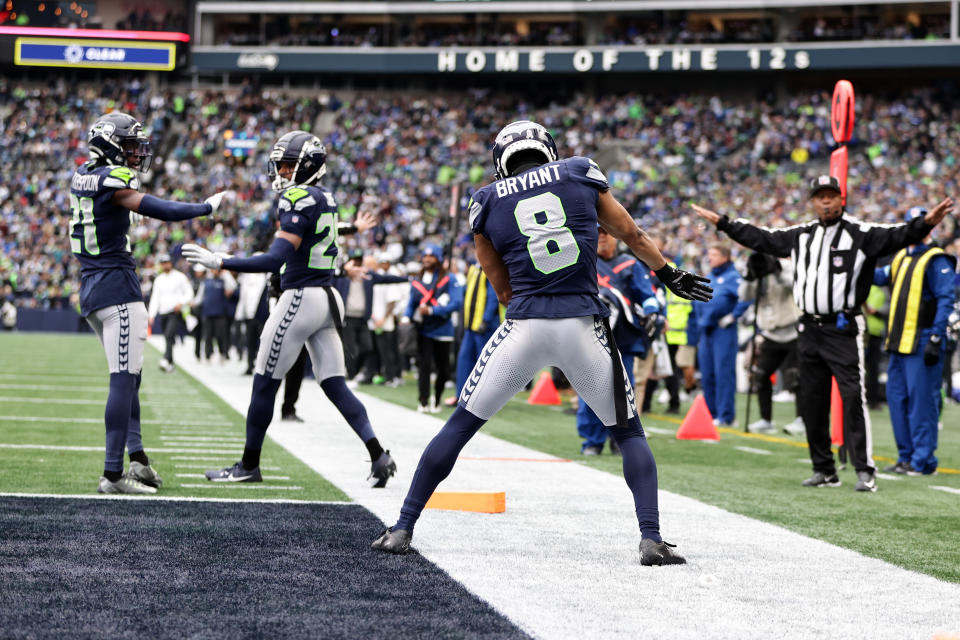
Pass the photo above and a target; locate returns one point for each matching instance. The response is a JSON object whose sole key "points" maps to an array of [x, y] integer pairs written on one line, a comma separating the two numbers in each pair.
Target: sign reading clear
{"points": [[95, 54]]}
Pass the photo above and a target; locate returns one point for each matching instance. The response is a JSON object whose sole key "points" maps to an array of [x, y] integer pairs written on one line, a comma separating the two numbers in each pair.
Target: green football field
{"points": [[53, 388]]}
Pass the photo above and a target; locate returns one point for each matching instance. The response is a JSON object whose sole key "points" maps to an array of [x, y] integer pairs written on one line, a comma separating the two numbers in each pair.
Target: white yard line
{"points": [[760, 452], [241, 485], [947, 489], [185, 405], [562, 560], [200, 476], [178, 423], [160, 498], [59, 388], [207, 466], [659, 431], [889, 476], [236, 451]]}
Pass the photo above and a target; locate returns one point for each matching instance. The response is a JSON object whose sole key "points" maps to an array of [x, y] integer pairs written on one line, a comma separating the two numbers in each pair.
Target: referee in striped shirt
{"points": [[834, 257]]}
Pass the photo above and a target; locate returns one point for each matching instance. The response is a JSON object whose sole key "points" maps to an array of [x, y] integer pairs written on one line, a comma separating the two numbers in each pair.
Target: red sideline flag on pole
{"points": [[838, 169], [841, 111]]}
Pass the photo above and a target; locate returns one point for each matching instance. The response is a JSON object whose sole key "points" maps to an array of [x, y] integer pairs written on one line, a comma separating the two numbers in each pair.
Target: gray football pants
{"points": [[122, 329], [302, 317], [521, 348]]}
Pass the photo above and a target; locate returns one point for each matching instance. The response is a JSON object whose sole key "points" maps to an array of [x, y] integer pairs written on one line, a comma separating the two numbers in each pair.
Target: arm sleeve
{"points": [[776, 242], [280, 251], [491, 311], [168, 210], [881, 240], [386, 278], [940, 272]]}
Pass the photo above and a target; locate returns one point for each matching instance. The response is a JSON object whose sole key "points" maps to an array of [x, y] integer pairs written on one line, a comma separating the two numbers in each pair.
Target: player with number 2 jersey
{"points": [[535, 231], [309, 311]]}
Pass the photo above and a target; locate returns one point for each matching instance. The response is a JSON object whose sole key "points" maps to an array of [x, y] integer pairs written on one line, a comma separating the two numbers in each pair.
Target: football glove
{"points": [[931, 353], [650, 324], [685, 284], [195, 254], [215, 200]]}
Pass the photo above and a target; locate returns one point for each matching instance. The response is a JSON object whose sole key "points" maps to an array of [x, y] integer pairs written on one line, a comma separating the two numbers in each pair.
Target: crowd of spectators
{"points": [[626, 30], [399, 155]]}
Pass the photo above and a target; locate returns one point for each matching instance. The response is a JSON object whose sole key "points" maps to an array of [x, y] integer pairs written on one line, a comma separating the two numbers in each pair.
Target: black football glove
{"points": [[651, 324], [685, 284], [931, 353]]}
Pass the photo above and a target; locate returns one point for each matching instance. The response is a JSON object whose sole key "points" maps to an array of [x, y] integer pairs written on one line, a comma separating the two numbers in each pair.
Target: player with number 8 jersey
{"points": [[309, 311], [535, 231]]}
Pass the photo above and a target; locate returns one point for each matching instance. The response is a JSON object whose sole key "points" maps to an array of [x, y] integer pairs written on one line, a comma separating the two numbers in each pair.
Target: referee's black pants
{"points": [[824, 351]]}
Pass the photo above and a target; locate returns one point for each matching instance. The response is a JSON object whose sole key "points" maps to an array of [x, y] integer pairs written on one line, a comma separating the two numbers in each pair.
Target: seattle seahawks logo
{"points": [[103, 129]]}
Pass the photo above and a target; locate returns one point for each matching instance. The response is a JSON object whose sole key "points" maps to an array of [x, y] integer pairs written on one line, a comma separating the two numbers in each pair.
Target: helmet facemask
{"points": [[305, 152]]}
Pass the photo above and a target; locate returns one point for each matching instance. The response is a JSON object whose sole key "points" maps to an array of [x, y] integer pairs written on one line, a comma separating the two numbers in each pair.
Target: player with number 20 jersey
{"points": [[309, 311], [535, 231]]}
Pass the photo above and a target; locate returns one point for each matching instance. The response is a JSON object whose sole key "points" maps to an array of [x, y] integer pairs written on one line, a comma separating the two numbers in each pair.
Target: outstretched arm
{"points": [[169, 210], [776, 242], [283, 247], [614, 218]]}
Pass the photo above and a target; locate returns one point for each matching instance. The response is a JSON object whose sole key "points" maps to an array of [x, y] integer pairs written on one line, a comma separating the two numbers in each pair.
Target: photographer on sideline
{"points": [[769, 281]]}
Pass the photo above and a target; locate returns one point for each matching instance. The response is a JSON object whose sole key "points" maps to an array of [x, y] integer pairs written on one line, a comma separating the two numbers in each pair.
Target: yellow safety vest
{"points": [[678, 314], [906, 277], [475, 298]]}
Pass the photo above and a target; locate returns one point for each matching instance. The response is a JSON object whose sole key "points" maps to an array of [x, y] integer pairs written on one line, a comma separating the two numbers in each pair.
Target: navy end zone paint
{"points": [[129, 568]]}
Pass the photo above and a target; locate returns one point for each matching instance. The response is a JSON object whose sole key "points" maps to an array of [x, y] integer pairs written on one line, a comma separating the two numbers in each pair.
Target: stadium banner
{"points": [[94, 54], [796, 57]]}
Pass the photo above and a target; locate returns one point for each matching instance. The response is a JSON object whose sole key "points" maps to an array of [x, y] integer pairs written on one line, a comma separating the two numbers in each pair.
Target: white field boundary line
{"points": [[184, 405], [207, 466], [156, 498], [531, 562], [100, 421]]}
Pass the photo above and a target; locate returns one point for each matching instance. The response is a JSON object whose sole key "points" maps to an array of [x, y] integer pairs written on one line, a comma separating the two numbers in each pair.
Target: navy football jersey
{"points": [[311, 213], [543, 223], [98, 236]]}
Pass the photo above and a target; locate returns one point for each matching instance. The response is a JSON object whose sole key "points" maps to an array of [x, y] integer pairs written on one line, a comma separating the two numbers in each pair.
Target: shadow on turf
{"points": [[125, 568]]}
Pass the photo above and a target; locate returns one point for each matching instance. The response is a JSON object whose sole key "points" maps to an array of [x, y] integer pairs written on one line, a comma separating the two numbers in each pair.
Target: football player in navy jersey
{"points": [[309, 310], [535, 231], [103, 193]]}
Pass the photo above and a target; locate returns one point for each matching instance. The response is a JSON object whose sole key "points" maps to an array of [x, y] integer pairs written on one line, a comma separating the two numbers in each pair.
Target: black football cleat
{"points": [[236, 473], [392, 541], [655, 554], [381, 470]]}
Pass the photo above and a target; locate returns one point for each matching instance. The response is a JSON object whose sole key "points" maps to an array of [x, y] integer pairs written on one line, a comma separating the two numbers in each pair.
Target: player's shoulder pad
{"points": [[296, 199], [476, 205], [582, 167], [120, 178]]}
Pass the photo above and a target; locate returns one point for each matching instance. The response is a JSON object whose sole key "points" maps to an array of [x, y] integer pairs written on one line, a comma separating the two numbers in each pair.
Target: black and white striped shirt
{"points": [[835, 263]]}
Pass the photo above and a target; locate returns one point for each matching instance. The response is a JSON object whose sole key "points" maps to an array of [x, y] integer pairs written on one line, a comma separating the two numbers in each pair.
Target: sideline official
{"points": [[921, 277], [835, 257]]}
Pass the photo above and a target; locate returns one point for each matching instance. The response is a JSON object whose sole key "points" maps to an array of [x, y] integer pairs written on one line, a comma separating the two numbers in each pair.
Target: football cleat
{"points": [[125, 484], [901, 468], [146, 474], [819, 479], [381, 470], [236, 473], [866, 481], [655, 554], [392, 541]]}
